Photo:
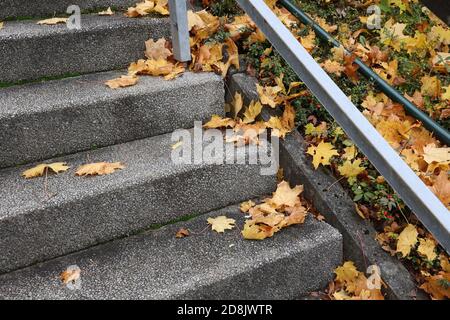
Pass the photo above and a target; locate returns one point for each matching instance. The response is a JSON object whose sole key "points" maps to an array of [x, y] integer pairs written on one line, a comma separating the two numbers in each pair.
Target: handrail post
{"points": [[179, 28]]}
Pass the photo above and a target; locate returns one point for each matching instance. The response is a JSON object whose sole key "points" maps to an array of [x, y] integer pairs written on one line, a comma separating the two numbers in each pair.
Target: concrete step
{"points": [[205, 265], [30, 51], [54, 118], [43, 218], [45, 8]]}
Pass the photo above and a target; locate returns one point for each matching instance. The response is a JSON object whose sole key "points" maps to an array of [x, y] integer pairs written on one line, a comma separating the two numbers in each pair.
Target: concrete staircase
{"points": [[120, 228]]}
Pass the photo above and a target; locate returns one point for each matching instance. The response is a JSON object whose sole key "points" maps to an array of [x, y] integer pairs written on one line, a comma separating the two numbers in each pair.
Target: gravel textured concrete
{"points": [[336, 205], [44, 218], [44, 8], [53, 118], [205, 265], [30, 51]]}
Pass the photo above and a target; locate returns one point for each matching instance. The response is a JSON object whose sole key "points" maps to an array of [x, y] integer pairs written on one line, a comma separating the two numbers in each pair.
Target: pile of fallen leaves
{"points": [[351, 284], [282, 210]]}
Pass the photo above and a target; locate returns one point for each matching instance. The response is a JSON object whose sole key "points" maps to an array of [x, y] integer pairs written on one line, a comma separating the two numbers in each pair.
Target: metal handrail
{"points": [[428, 208], [179, 29], [367, 72]]}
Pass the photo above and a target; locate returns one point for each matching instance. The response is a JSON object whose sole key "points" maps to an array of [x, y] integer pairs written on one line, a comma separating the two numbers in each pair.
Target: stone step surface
{"points": [[54, 118], [206, 265], [30, 51], [45, 8], [46, 217]]}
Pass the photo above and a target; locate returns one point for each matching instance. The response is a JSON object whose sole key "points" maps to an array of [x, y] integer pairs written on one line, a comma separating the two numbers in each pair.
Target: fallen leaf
{"points": [[70, 275], [431, 86], [41, 169], [441, 187], [237, 104], [245, 206], [322, 153], [351, 169], [286, 196], [1, 24], [157, 50], [99, 168], [52, 21], [221, 223], [427, 248], [407, 240], [253, 110], [107, 12], [123, 81], [182, 233], [219, 122], [438, 286], [433, 154]]}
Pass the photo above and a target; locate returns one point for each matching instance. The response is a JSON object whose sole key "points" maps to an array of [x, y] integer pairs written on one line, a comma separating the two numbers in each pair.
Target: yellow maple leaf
{"points": [[350, 152], [221, 223], [41, 169], [427, 248], [145, 8], [279, 129], [99, 168], [253, 110], [431, 86], [1, 24], [286, 196], [52, 21], [253, 231], [322, 153], [268, 95], [219, 122], [123, 81], [407, 240], [347, 273], [333, 67], [351, 169]]}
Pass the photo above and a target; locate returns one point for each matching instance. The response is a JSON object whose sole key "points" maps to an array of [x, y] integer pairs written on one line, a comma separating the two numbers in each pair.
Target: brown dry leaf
{"points": [[441, 187], [52, 21], [157, 50], [123, 81], [107, 12], [437, 286], [70, 275], [221, 223], [182, 233], [41, 169], [99, 168], [350, 68], [407, 240]]}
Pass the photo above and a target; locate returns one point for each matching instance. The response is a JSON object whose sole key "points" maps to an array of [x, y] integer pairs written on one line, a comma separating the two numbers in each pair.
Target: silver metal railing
{"points": [[179, 29], [428, 208]]}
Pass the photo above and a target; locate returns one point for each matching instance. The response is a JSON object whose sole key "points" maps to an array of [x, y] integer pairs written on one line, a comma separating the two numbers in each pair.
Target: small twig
{"points": [[331, 185], [401, 211]]}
